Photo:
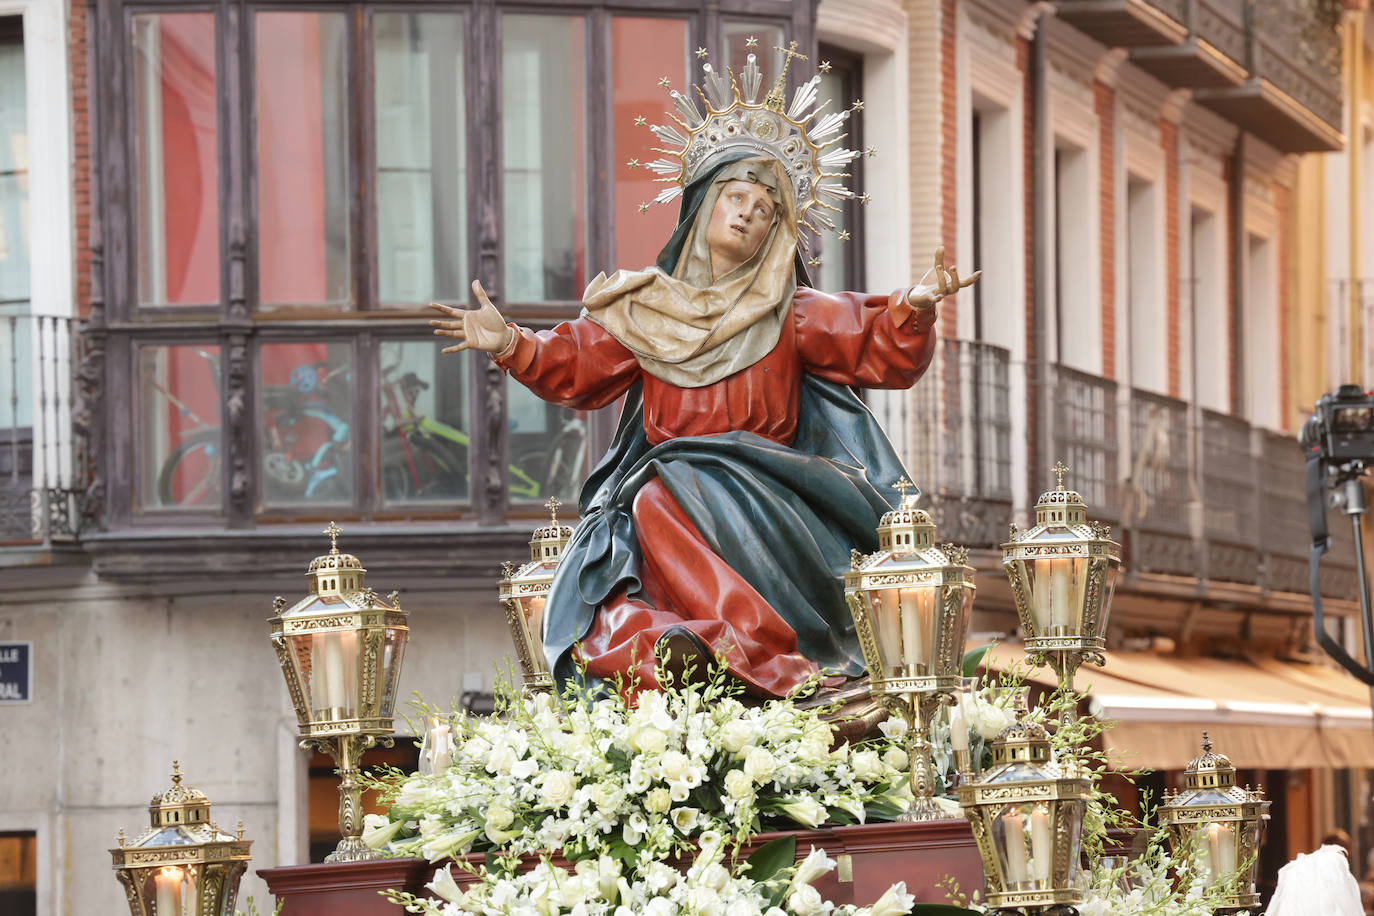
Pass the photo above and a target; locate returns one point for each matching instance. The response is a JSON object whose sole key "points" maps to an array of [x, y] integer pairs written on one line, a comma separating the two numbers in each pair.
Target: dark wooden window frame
{"points": [[120, 325]]}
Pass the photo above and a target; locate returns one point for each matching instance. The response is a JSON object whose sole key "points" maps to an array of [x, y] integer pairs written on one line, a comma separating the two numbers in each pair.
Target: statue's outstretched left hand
{"points": [[944, 282], [482, 328]]}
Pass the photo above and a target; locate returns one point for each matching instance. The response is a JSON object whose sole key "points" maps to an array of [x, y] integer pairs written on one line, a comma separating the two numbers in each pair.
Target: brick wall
{"points": [[81, 153], [1168, 138], [1104, 102], [949, 153]]}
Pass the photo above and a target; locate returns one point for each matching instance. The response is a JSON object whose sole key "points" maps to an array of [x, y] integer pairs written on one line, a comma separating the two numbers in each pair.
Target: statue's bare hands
{"points": [[481, 328], [944, 282]]}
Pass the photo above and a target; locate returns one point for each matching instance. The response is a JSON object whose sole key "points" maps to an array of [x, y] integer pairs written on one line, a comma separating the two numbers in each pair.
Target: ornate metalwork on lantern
{"points": [[735, 119], [1063, 572], [340, 649], [1220, 821], [911, 602], [182, 864], [1026, 812], [523, 593]]}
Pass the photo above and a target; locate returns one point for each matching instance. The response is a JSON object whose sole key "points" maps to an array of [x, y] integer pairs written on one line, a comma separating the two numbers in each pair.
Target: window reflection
{"points": [[306, 417], [175, 142], [421, 161], [543, 150], [424, 423], [302, 168], [643, 50], [179, 436], [548, 447]]}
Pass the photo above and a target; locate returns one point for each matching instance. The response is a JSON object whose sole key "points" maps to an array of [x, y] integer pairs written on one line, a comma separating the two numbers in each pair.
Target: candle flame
{"points": [[171, 871]]}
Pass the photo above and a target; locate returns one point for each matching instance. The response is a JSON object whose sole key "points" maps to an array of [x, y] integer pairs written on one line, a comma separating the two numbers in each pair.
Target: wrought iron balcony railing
{"points": [[962, 455], [38, 451], [1085, 437]]}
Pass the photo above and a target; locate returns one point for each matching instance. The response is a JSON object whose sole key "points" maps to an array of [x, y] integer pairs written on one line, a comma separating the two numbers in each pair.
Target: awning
{"points": [[1262, 713]]}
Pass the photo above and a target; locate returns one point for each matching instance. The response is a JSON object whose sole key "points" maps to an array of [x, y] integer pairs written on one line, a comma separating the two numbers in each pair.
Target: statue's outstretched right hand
{"points": [[482, 328]]}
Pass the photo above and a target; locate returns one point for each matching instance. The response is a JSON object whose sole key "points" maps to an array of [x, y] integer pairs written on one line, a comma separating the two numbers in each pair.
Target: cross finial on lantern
{"points": [[1059, 471], [1206, 744], [901, 486], [333, 531], [552, 505], [176, 772]]}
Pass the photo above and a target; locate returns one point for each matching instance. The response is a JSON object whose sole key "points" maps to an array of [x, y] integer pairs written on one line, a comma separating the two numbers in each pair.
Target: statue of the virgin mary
{"points": [[745, 468]]}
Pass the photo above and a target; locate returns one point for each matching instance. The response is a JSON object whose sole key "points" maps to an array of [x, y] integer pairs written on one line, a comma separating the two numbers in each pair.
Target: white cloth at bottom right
{"points": [[1317, 884]]}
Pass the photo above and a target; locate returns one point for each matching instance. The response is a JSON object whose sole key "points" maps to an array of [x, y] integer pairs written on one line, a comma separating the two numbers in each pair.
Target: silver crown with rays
{"points": [[734, 119]]}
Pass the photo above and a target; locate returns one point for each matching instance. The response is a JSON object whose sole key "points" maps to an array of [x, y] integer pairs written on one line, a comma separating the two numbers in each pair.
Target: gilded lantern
{"points": [[1063, 572], [182, 865], [340, 649], [1222, 823], [523, 592], [1026, 812], [911, 603]]}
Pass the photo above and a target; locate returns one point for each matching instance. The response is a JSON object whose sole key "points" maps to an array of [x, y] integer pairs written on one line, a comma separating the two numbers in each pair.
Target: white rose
{"points": [[896, 758], [658, 801], [806, 901], [675, 765], [735, 735], [738, 786], [867, 765], [648, 740], [556, 789], [759, 765], [501, 759]]}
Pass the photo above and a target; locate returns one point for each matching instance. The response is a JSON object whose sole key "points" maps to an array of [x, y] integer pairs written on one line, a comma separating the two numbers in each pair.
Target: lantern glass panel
{"points": [[1024, 837], [887, 627], [1056, 585], [391, 657], [333, 675], [904, 625], [1217, 846]]}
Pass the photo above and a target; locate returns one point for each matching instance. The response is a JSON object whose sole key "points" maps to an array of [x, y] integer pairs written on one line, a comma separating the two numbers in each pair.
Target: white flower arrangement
{"points": [[687, 774]]}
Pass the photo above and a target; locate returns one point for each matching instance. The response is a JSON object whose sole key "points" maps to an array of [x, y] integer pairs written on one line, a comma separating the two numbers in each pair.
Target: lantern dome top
{"points": [[548, 541], [1209, 770], [180, 818], [335, 574], [1060, 507], [906, 529]]}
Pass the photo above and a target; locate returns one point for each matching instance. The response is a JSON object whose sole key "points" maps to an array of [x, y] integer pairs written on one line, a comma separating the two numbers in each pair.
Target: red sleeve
{"points": [[577, 364], [857, 339]]}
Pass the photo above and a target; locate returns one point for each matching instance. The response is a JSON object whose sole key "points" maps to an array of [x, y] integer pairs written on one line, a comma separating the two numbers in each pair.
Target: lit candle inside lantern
{"points": [[1014, 832], [1041, 847], [958, 727], [1059, 595], [885, 606], [439, 754], [1221, 850], [535, 617], [168, 891], [918, 614], [1040, 596]]}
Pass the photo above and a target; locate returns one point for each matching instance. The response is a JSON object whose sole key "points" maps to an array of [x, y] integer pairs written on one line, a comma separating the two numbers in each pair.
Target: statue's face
{"points": [[739, 222]]}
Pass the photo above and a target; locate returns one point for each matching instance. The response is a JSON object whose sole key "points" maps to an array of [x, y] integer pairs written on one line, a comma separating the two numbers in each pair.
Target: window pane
{"points": [[179, 428], [548, 447], [307, 424], [302, 167], [643, 51], [177, 158], [839, 260], [14, 175], [421, 178], [767, 39], [424, 419], [543, 150]]}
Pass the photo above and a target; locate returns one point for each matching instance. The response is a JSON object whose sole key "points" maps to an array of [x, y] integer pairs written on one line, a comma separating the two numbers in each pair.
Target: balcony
{"points": [[1292, 97], [1213, 54], [1127, 23], [38, 454], [1084, 436], [962, 458]]}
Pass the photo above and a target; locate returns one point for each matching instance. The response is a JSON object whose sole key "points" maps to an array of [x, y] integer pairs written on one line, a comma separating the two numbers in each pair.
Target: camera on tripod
{"points": [[1341, 430], [1339, 442]]}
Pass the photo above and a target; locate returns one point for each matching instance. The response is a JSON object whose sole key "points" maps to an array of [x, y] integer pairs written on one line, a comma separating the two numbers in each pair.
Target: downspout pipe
{"points": [[1042, 191]]}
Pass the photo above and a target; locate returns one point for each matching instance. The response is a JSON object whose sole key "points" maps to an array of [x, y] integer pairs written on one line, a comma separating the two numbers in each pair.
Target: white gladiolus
{"points": [[813, 866]]}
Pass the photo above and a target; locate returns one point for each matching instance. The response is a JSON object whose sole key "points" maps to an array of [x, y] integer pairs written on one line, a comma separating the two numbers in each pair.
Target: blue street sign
{"points": [[16, 672]]}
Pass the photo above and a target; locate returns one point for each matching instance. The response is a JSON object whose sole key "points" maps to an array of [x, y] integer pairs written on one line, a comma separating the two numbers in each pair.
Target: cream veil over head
{"points": [[688, 330]]}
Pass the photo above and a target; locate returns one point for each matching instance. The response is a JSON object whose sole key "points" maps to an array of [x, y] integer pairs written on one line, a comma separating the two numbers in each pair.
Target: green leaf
{"points": [[941, 909], [974, 657], [772, 857]]}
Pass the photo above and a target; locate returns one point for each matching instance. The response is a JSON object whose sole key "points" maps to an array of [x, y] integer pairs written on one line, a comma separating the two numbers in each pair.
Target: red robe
{"points": [[849, 338]]}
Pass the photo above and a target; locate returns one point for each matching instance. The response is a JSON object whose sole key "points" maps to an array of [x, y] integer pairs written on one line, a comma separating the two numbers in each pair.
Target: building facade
{"points": [[234, 214]]}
